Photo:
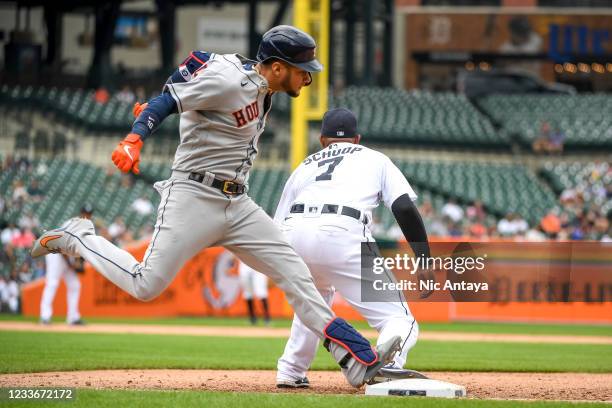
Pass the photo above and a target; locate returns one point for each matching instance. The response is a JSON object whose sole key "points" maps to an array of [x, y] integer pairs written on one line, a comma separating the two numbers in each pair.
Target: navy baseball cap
{"points": [[339, 122]]}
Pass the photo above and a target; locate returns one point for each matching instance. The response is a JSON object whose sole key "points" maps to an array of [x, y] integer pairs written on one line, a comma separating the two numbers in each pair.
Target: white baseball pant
{"points": [[57, 268], [331, 247], [254, 284]]}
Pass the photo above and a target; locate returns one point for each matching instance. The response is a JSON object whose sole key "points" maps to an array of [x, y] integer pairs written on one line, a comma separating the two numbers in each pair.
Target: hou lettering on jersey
{"points": [[247, 114]]}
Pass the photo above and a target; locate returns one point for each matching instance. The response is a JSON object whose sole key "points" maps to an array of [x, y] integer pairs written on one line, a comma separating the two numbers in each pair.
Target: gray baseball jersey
{"points": [[223, 108]]}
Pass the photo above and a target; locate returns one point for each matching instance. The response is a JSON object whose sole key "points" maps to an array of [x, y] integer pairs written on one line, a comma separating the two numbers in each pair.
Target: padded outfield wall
{"points": [[208, 285]]}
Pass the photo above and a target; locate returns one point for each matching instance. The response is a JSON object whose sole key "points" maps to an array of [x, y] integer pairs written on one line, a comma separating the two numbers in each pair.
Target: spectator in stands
{"points": [[521, 224], [427, 213], [35, 192], [437, 227], [101, 96], [452, 210], [109, 173], [141, 94], [23, 239], [540, 144], [395, 232], [126, 95], [142, 205], [8, 233], [549, 141], [377, 228], [476, 230], [601, 227], [25, 272], [2, 206], [555, 142], [116, 229], [8, 163], [126, 238], [476, 212], [41, 169], [568, 196], [146, 232], [38, 269], [28, 220], [551, 224], [20, 192], [607, 236], [126, 180], [535, 234], [512, 225], [454, 228], [24, 165]]}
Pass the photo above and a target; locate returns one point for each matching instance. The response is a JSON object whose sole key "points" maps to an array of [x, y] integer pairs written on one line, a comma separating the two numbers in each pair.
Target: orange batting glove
{"points": [[126, 155], [138, 108]]}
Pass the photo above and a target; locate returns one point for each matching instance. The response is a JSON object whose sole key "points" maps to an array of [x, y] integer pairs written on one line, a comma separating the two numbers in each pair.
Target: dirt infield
{"points": [[523, 386], [529, 386], [284, 332]]}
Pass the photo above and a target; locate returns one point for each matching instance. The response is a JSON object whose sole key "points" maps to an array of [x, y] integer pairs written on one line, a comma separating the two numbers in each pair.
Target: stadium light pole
{"points": [[313, 17]]}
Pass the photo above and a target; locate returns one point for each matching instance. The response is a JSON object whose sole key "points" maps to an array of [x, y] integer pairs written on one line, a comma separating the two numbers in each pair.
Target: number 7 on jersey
{"points": [[333, 162]]}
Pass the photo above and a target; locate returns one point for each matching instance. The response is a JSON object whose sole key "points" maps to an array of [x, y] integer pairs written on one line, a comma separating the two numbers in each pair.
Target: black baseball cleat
{"points": [[300, 383], [78, 322]]}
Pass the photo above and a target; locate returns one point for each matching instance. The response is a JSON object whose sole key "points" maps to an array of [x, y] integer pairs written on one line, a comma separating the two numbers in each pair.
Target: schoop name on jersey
{"points": [[332, 152]]}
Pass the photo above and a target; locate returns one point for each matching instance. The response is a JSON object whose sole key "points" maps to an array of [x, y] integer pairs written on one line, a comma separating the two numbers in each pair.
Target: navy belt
{"points": [[330, 209], [227, 187]]}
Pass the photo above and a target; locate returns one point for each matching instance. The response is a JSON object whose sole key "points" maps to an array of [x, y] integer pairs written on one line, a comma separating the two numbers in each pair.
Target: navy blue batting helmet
{"points": [[291, 45]]}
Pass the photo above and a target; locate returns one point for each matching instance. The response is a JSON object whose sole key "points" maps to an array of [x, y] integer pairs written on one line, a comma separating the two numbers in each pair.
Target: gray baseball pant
{"points": [[192, 216]]}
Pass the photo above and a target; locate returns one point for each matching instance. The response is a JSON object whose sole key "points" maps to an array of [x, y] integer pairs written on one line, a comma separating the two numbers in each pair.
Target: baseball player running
{"points": [[325, 210], [224, 101]]}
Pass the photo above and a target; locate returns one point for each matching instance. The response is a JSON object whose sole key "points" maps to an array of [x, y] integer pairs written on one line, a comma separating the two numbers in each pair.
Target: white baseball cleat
{"points": [[386, 354], [57, 240], [358, 374]]}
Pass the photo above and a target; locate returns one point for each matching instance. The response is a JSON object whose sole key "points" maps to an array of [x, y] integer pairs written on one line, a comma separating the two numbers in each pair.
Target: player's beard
{"points": [[286, 84]]}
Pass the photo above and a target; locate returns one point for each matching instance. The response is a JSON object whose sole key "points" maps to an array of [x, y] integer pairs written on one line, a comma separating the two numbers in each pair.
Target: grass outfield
{"points": [[42, 351], [468, 327], [146, 399]]}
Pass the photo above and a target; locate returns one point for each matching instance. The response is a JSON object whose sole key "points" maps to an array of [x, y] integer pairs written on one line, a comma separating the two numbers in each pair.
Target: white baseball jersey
{"points": [[344, 174], [223, 108]]}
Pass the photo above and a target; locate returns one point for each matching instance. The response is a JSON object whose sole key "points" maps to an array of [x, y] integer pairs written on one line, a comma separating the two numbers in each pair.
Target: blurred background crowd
{"points": [[497, 112]]}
